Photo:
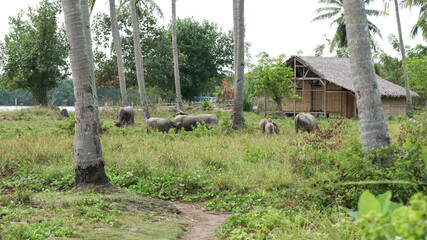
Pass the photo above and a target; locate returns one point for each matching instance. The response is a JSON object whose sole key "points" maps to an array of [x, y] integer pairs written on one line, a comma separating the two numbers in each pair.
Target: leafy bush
{"points": [[380, 218], [340, 169], [206, 106], [287, 223], [66, 125]]}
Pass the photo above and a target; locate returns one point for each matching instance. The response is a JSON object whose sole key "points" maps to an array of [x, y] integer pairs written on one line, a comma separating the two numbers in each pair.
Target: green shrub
{"points": [[206, 106], [380, 218], [66, 125]]}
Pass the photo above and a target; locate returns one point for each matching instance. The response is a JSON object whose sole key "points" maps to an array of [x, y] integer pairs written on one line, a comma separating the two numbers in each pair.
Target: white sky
{"points": [[273, 26]]}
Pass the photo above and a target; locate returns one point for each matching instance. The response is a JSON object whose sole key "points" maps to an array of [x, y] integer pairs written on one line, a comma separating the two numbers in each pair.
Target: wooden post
{"points": [[341, 104], [355, 106], [302, 94], [326, 98], [265, 105], [295, 77], [346, 106], [311, 96]]}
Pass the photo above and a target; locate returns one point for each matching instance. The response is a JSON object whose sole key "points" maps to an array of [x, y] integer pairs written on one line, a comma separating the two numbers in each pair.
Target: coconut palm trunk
{"points": [[402, 51], [175, 59], [239, 64], [138, 60], [117, 46], [89, 161], [373, 127]]}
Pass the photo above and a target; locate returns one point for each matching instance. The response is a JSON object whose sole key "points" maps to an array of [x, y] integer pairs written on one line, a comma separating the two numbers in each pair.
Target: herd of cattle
{"points": [[126, 116]]}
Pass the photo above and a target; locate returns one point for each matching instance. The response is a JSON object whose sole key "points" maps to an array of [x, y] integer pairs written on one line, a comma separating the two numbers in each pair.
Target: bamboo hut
{"points": [[325, 87]]}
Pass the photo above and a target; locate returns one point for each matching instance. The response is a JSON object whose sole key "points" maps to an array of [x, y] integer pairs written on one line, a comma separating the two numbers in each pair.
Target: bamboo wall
{"points": [[393, 106], [337, 102], [313, 99]]}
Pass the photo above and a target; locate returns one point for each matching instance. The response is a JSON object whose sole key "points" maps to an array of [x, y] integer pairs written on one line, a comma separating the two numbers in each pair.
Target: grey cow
{"points": [[161, 124], [306, 122], [188, 122], [126, 117], [209, 119]]}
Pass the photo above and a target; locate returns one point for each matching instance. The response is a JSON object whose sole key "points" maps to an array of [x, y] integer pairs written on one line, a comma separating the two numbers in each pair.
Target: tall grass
{"points": [[245, 172]]}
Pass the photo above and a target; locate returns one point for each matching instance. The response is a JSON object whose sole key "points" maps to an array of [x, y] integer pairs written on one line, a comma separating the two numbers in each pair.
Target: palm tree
{"points": [[118, 47], [117, 41], [175, 59], [89, 161], [373, 127], [340, 37], [402, 52], [138, 60], [239, 64]]}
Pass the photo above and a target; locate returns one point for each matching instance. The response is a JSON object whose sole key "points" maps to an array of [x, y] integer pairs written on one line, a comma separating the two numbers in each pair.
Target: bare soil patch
{"points": [[204, 222]]}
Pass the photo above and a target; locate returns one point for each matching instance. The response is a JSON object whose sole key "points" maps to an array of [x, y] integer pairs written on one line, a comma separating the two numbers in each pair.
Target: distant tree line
{"points": [[33, 57], [63, 95]]}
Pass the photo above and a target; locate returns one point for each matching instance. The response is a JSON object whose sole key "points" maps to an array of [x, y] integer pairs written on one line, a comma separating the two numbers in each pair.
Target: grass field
{"points": [[286, 186]]}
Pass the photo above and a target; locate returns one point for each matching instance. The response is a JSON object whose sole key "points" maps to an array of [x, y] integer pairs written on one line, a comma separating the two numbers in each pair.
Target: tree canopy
{"points": [[273, 78], [33, 55], [335, 9], [205, 52]]}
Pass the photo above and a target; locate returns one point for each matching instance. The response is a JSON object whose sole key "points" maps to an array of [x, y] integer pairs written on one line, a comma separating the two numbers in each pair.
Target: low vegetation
{"points": [[286, 186]]}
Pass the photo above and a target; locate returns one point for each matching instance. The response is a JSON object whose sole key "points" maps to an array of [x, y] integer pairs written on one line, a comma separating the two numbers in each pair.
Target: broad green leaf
{"points": [[368, 202], [384, 200], [393, 206]]}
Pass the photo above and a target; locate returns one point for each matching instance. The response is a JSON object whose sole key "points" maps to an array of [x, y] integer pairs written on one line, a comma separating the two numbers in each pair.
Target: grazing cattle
{"points": [[160, 124], [126, 117], [64, 113], [305, 122], [268, 126], [188, 122], [262, 124], [271, 128], [209, 119]]}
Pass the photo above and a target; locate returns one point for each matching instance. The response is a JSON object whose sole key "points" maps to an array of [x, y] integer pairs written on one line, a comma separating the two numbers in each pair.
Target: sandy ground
{"points": [[204, 222]]}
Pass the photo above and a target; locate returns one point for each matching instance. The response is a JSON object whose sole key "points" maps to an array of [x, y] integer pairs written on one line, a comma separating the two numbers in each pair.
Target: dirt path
{"points": [[204, 222]]}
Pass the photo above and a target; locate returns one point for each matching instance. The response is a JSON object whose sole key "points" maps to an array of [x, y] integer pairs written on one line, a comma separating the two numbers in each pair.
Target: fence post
{"points": [[265, 105]]}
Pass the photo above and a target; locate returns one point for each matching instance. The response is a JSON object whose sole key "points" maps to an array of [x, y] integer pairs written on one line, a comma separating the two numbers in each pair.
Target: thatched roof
{"points": [[337, 71]]}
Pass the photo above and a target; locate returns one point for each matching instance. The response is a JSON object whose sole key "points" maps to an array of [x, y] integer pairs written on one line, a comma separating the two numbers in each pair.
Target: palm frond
{"points": [[414, 31], [153, 5], [324, 9], [372, 28], [91, 5], [410, 3], [146, 3], [339, 21], [325, 16], [341, 36], [421, 25], [333, 44], [331, 2], [375, 13]]}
